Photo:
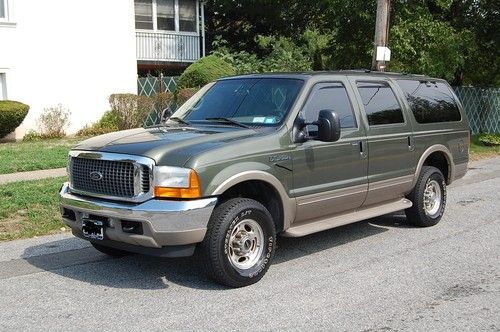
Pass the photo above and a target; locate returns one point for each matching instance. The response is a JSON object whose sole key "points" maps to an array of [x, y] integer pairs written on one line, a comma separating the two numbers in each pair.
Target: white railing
{"points": [[172, 47]]}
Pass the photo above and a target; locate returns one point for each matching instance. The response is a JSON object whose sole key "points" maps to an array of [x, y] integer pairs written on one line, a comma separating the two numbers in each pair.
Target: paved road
{"points": [[379, 275]]}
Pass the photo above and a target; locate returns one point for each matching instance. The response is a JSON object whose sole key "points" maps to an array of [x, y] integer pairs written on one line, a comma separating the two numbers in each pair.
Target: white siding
{"points": [[74, 53]]}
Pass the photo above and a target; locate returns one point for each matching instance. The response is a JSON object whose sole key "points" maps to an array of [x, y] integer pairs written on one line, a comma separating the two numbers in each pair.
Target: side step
{"points": [[314, 226]]}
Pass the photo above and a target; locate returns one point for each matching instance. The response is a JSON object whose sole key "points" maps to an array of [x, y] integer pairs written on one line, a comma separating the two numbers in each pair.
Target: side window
{"points": [[329, 96], [381, 105], [430, 102]]}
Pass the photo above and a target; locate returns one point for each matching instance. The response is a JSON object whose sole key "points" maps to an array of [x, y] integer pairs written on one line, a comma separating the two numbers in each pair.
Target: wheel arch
{"points": [[440, 157], [256, 177]]}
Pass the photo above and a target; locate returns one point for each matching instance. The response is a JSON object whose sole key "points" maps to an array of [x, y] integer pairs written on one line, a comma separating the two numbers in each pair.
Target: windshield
{"points": [[248, 101]]}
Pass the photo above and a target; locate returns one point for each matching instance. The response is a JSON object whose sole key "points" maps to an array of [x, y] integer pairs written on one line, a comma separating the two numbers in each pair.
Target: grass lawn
{"points": [[30, 208], [480, 151], [30, 156]]}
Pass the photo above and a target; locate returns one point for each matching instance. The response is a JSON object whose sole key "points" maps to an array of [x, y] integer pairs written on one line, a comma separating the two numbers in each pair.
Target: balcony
{"points": [[167, 46]]}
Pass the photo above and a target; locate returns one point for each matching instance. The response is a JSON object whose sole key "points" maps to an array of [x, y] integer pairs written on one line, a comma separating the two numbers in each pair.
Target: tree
{"points": [[453, 39]]}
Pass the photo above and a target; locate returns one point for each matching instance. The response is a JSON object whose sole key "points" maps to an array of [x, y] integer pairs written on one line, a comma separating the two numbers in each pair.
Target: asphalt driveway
{"points": [[377, 275]]}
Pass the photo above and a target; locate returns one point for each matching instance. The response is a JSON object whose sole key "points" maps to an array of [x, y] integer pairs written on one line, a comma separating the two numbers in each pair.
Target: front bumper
{"points": [[164, 223]]}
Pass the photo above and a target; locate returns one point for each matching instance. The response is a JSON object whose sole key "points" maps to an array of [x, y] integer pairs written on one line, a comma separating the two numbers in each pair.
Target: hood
{"points": [[172, 146]]}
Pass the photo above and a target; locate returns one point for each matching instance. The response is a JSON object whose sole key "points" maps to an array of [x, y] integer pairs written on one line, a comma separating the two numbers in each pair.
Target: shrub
{"points": [[205, 70], [12, 114], [53, 122], [162, 100], [130, 109], [107, 124], [183, 95], [490, 139], [32, 136]]}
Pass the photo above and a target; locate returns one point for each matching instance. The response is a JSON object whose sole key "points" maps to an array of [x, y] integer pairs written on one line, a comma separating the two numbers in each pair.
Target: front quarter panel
{"points": [[265, 158]]}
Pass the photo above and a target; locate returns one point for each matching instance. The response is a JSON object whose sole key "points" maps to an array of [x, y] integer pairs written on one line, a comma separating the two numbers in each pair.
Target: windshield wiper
{"points": [[227, 120], [179, 120]]}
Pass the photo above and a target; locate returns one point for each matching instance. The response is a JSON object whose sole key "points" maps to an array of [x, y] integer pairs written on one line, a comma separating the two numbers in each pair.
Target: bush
{"points": [[162, 100], [490, 139], [278, 54], [107, 124], [32, 136], [205, 70], [53, 122], [130, 109], [183, 95], [12, 114]]}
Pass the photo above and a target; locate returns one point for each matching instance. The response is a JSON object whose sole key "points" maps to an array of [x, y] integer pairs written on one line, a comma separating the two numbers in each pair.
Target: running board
{"points": [[311, 227]]}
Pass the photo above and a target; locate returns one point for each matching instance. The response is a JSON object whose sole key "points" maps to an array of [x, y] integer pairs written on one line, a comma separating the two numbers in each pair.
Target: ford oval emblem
{"points": [[96, 176]]}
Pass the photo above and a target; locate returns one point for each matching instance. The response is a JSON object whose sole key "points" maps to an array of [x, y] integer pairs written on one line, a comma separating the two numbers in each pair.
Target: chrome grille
{"points": [[145, 182], [117, 178]]}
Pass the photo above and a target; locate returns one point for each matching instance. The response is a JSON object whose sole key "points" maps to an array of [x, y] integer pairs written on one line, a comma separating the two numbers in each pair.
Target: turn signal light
{"points": [[193, 191]]}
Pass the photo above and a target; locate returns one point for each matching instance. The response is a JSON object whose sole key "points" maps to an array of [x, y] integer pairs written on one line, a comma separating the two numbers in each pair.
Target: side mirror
{"points": [[166, 114], [328, 126]]}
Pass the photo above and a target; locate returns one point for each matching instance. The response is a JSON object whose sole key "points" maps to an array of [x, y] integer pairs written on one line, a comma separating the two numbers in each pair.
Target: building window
{"points": [[143, 14], [187, 15], [166, 15]]}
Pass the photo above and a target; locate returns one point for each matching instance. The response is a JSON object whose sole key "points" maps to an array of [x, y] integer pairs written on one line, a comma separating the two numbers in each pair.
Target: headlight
{"points": [[176, 182]]}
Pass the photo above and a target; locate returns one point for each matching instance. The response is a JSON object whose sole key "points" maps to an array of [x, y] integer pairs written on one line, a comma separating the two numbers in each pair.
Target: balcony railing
{"points": [[171, 47]]}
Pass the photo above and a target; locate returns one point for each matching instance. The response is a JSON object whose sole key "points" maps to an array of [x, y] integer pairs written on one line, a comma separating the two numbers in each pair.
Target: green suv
{"points": [[251, 157]]}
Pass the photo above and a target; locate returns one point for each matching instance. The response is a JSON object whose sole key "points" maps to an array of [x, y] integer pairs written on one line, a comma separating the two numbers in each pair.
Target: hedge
{"points": [[12, 114], [205, 70]]}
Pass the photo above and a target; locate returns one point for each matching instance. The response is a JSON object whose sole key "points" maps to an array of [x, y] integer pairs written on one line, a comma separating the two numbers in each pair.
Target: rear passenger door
{"points": [[391, 148]]}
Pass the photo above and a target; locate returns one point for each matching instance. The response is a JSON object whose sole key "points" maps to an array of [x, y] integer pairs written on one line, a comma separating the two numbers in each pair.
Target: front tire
{"points": [[240, 243], [428, 198]]}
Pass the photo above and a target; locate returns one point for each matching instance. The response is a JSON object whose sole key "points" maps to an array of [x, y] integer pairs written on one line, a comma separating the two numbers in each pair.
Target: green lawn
{"points": [[30, 156], [30, 208], [480, 151]]}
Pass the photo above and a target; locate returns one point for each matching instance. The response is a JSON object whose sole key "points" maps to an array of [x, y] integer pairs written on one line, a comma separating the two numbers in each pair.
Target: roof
{"points": [[353, 72]]}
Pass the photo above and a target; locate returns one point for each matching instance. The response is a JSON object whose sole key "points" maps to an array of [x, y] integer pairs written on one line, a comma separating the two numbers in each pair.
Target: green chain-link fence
{"points": [[151, 86], [482, 106]]}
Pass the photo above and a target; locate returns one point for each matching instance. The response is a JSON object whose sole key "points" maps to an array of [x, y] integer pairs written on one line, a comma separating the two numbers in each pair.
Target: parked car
{"points": [[248, 158]]}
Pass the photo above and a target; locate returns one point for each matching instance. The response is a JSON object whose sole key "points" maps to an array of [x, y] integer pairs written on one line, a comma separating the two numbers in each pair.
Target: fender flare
{"points": [[289, 204], [427, 153]]}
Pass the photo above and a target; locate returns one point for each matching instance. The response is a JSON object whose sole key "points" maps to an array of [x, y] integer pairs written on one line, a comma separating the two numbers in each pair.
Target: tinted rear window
{"points": [[380, 103], [430, 102]]}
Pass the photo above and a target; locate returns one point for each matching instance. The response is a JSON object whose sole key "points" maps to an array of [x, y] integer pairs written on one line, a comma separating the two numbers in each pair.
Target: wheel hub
{"points": [[432, 198], [245, 244]]}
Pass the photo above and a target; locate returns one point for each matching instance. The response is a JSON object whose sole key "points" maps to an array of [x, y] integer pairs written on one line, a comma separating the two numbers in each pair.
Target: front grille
{"points": [[106, 177]]}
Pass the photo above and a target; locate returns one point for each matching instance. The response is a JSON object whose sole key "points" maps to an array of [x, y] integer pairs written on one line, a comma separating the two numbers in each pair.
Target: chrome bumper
{"points": [[164, 223]]}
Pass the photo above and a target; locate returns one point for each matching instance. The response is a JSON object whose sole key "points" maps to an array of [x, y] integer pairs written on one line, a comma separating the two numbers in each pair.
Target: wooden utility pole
{"points": [[381, 32]]}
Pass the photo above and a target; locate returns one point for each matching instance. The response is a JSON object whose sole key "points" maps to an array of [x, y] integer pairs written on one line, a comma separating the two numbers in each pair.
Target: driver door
{"points": [[330, 177]]}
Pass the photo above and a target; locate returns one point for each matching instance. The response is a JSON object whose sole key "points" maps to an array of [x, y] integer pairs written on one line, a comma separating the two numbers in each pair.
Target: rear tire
{"points": [[110, 251], [240, 243], [428, 198]]}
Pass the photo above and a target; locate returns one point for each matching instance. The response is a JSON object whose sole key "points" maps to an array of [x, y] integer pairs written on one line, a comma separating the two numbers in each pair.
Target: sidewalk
{"points": [[32, 175]]}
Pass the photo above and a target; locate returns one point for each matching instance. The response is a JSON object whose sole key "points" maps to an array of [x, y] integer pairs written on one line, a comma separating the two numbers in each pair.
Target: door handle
{"points": [[411, 143], [361, 145]]}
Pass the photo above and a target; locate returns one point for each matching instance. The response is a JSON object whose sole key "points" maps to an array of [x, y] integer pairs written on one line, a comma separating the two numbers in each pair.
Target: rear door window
{"points": [[380, 103], [430, 102]]}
